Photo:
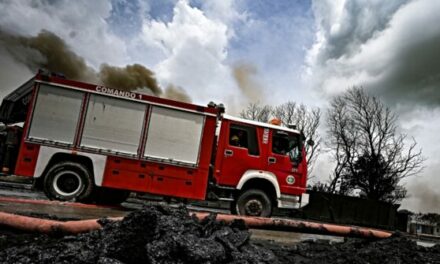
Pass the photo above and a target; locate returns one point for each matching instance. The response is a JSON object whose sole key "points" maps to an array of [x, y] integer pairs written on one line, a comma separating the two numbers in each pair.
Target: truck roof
{"points": [[261, 124], [127, 95]]}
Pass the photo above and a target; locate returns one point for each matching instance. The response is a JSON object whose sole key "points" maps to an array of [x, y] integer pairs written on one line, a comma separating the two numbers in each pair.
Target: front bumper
{"points": [[293, 201]]}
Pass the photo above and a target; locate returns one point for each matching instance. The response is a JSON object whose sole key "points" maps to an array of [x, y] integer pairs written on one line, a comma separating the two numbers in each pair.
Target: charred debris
{"points": [[158, 234]]}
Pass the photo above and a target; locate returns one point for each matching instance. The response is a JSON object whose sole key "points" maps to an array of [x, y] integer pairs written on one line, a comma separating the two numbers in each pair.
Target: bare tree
{"points": [[340, 126], [370, 154], [307, 121], [255, 111]]}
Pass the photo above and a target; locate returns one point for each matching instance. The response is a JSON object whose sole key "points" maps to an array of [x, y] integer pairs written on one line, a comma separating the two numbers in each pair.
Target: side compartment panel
{"points": [[113, 124], [122, 173], [56, 114], [180, 188], [174, 135], [178, 181], [27, 159]]}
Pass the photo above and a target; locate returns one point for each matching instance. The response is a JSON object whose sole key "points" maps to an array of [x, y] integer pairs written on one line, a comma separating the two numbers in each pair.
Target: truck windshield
{"points": [[285, 143]]}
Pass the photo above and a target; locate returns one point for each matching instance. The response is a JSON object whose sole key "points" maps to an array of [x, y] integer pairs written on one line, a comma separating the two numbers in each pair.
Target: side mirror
{"points": [[296, 158], [310, 142]]}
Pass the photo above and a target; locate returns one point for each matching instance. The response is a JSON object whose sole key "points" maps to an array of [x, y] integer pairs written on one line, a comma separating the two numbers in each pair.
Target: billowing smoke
{"points": [[246, 77], [129, 78], [176, 93], [424, 198], [47, 50], [429, 199]]}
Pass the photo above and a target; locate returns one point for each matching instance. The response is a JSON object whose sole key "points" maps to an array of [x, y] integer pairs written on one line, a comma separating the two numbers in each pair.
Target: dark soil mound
{"points": [[396, 250], [162, 235], [151, 235]]}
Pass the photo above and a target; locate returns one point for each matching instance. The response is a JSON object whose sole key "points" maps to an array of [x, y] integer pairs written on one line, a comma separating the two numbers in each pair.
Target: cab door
{"points": [[280, 162], [238, 151]]}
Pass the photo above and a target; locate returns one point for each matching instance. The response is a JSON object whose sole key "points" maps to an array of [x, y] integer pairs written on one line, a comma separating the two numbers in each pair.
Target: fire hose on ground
{"points": [[38, 225]]}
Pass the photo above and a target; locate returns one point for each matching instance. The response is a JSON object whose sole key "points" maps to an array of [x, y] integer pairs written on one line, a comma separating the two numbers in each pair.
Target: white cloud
{"points": [[195, 49], [390, 47], [344, 26], [226, 12]]}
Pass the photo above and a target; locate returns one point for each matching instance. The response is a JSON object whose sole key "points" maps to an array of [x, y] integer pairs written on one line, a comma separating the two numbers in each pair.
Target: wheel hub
{"points": [[254, 207], [67, 183]]}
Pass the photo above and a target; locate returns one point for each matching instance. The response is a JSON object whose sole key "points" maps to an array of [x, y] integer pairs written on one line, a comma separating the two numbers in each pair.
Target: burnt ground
{"points": [[158, 234], [397, 249], [154, 234]]}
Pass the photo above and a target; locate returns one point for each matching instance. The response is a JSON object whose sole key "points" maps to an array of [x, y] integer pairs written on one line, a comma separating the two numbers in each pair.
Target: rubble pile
{"points": [[154, 234], [396, 249], [159, 234]]}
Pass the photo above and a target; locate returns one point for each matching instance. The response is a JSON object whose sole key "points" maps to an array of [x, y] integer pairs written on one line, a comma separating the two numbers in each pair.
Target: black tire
{"points": [[102, 195], [233, 208], [253, 202], [68, 181]]}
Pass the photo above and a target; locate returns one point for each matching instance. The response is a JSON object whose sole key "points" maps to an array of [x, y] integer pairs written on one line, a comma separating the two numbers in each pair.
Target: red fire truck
{"points": [[90, 143]]}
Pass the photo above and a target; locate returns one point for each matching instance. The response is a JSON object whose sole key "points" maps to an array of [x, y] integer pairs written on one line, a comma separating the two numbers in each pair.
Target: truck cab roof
{"points": [[260, 124]]}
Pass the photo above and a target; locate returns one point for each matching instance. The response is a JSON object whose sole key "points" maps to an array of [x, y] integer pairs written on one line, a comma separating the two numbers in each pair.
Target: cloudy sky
{"points": [[305, 51]]}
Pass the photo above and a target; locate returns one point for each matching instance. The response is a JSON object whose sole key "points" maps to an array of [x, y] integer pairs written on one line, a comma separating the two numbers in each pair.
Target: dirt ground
{"points": [[158, 234]]}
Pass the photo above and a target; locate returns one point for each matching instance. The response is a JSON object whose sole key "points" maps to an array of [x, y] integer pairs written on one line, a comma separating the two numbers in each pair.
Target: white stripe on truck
{"points": [[46, 153]]}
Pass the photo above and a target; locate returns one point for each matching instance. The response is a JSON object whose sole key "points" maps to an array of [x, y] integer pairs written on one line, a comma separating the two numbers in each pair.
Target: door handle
{"points": [[228, 153], [272, 160]]}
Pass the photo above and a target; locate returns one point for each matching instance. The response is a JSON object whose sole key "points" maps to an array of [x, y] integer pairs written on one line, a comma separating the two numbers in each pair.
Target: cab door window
{"points": [[244, 137], [280, 144], [284, 143]]}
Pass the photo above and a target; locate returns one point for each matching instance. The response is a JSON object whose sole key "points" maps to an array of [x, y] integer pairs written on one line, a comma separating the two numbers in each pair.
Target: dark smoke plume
{"points": [[424, 198], [246, 77], [129, 78], [176, 93], [47, 50]]}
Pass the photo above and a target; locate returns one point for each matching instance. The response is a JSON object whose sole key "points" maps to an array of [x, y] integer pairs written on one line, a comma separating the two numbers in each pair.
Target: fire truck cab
{"points": [[90, 143], [264, 166]]}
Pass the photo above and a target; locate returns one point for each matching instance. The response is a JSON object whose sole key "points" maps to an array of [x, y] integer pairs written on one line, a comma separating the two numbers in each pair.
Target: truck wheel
{"points": [[102, 195], [68, 181], [253, 202]]}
